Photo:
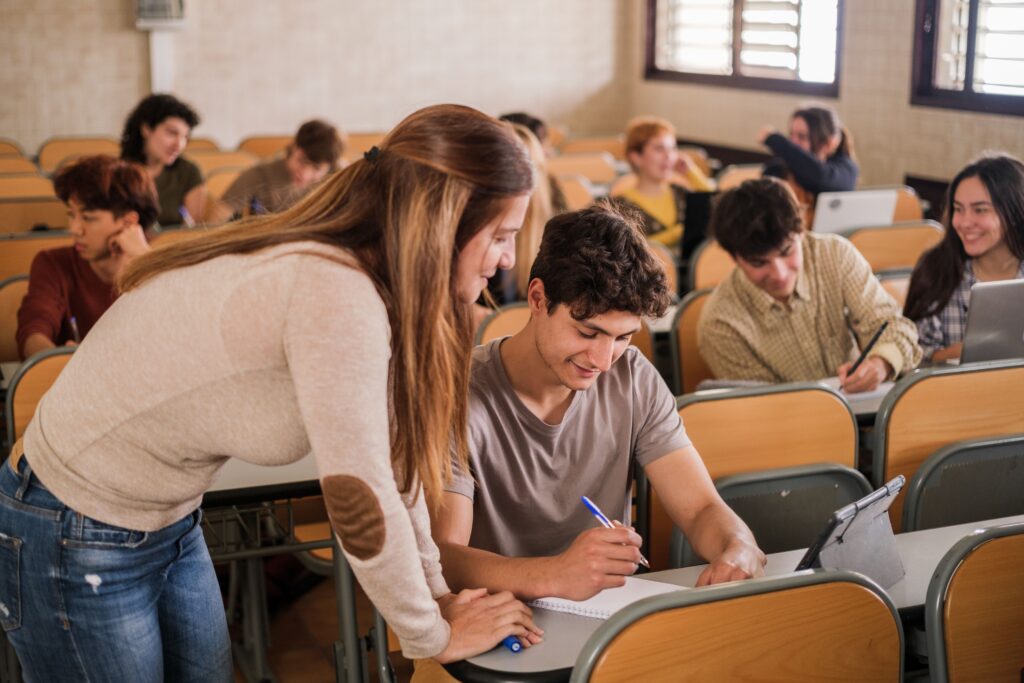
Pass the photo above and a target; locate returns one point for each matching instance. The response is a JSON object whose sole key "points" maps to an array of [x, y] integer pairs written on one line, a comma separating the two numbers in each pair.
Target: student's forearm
{"points": [[716, 528], [527, 578], [37, 342]]}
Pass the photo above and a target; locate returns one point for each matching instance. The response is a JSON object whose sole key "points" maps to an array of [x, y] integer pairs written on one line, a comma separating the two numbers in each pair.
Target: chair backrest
{"points": [[794, 424], [785, 508], [505, 321], [12, 291], [24, 186], [688, 367], [895, 246], [939, 406], [55, 150], [16, 165], [896, 283], [698, 156], [33, 379], [709, 265], [969, 481], [9, 147], [218, 182], [734, 175], [22, 215], [612, 144], [579, 193], [668, 265], [974, 610], [597, 167], [908, 205], [198, 144], [644, 341], [17, 251], [836, 626], [265, 146], [211, 160], [356, 144], [175, 235]]}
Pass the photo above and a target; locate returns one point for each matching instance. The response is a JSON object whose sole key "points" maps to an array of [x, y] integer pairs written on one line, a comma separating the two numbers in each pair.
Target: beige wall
{"points": [[892, 138], [262, 67]]}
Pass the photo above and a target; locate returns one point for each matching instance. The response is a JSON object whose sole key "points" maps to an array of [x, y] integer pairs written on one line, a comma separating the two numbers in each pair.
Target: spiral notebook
{"points": [[610, 600]]}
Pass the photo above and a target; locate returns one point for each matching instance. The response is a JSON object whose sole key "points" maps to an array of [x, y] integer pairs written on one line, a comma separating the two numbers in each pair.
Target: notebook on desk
{"points": [[610, 600]]}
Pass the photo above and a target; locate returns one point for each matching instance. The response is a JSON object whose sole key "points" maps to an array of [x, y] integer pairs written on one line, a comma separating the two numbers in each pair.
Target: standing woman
{"points": [[155, 135], [984, 242], [338, 327]]}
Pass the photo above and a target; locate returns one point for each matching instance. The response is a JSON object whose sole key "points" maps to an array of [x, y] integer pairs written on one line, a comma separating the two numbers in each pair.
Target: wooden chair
{"points": [[794, 424], [218, 182], [579, 193], [939, 406], [698, 156], [265, 146], [974, 609], [210, 161], [668, 264], [835, 626], [22, 215], [175, 235], [709, 265], [25, 186], [969, 481], [557, 135], [735, 174], [597, 167], [688, 367], [505, 321], [201, 144], [12, 291], [55, 150], [895, 246], [10, 148], [17, 166], [356, 144], [33, 379], [612, 144], [896, 283], [644, 341], [18, 250]]}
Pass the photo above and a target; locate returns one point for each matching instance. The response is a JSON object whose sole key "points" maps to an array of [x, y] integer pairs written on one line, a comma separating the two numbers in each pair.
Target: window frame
{"points": [[923, 91], [735, 80]]}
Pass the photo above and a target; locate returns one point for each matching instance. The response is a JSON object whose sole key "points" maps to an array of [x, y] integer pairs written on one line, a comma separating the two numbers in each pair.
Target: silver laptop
{"points": [[995, 322], [839, 211]]}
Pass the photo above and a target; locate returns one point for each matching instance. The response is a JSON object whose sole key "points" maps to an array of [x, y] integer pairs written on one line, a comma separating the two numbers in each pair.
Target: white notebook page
{"points": [[610, 600]]}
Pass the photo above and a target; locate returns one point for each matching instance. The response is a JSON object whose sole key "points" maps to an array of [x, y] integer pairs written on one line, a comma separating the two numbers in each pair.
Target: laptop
{"points": [[839, 211], [995, 322]]}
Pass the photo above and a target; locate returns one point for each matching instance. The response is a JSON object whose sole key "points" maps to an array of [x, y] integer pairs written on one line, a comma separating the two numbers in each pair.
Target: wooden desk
{"points": [[565, 634]]}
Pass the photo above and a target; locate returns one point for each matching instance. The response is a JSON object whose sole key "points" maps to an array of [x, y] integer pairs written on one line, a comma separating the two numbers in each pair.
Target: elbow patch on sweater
{"points": [[355, 514]]}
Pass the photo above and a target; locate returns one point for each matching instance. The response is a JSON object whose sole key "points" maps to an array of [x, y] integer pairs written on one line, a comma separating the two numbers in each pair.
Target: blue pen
{"points": [[606, 523], [512, 643], [186, 217]]}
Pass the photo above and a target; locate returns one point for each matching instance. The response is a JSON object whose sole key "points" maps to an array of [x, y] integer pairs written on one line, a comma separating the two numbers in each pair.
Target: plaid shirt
{"points": [[947, 327]]}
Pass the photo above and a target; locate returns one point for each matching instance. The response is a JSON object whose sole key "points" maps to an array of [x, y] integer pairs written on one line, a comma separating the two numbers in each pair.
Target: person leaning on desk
{"points": [[341, 327]]}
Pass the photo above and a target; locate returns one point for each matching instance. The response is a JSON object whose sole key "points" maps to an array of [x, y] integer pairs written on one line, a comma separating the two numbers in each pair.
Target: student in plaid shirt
{"points": [[984, 242]]}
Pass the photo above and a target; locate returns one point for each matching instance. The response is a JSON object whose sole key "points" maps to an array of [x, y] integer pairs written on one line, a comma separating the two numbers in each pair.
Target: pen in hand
{"points": [[867, 349], [607, 523]]}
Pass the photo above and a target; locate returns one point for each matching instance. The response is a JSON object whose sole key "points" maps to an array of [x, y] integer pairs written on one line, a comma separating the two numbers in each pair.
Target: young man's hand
{"points": [[599, 558], [739, 561], [872, 372]]}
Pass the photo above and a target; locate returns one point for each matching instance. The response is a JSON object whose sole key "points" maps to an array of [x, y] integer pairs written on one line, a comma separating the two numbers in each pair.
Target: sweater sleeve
{"points": [[45, 304], [837, 174], [337, 345]]}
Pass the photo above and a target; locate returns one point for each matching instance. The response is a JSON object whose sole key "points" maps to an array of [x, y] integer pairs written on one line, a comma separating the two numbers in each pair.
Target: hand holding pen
{"points": [[607, 523], [865, 374]]}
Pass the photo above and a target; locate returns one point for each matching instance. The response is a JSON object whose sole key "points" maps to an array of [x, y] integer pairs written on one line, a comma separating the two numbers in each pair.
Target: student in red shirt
{"points": [[108, 200]]}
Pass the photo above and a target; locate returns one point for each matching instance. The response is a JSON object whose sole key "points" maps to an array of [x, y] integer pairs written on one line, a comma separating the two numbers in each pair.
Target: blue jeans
{"points": [[85, 601]]}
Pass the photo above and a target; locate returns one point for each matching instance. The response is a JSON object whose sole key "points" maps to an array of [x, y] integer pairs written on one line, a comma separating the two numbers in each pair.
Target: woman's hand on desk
{"points": [[479, 621], [740, 561]]}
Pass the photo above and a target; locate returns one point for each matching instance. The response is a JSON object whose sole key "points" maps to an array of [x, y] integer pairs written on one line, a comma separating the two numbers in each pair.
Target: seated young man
{"points": [[799, 306], [564, 409], [109, 202], [273, 186]]}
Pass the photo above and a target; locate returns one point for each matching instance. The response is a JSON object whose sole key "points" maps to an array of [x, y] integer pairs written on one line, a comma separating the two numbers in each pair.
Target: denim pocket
{"points": [[86, 532], [10, 582]]}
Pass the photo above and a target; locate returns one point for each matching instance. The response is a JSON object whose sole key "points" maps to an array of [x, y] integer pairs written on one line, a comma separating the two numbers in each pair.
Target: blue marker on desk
{"points": [[606, 523], [512, 643]]}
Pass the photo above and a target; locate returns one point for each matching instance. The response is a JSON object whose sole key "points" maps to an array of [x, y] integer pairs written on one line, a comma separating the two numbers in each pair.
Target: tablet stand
{"points": [[867, 545]]}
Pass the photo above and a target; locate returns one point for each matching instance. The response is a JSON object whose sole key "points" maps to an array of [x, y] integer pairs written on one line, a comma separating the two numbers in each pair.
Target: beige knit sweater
{"points": [[263, 357]]}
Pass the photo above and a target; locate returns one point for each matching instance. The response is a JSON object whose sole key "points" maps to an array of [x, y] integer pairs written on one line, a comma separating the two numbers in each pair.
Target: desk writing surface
{"points": [[239, 474]]}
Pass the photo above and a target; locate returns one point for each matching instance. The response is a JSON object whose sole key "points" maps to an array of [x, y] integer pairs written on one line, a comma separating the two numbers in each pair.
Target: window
{"points": [[782, 45], [969, 54]]}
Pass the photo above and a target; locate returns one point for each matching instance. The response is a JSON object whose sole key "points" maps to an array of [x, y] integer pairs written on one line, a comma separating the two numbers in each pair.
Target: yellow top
{"points": [[662, 208]]}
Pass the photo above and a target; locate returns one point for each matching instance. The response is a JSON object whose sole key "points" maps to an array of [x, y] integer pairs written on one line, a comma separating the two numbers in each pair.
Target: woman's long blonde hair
{"points": [[538, 212], [404, 212]]}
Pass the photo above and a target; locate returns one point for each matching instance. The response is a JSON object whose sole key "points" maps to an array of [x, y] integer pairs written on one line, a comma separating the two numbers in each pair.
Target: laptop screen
{"points": [[995, 322]]}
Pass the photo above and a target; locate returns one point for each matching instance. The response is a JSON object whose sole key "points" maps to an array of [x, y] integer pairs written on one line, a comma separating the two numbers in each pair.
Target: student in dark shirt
{"points": [[69, 288], [155, 135]]}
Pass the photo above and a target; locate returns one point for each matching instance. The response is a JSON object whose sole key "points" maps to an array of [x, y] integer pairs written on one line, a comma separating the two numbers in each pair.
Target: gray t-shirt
{"points": [[530, 474]]}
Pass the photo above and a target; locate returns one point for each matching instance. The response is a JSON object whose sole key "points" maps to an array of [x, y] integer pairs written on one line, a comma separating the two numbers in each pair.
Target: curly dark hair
{"points": [[597, 260], [755, 218], [152, 111]]}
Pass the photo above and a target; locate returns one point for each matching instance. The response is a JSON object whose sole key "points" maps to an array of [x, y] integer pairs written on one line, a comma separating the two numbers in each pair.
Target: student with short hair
{"points": [[786, 312], [272, 186], [69, 288], [155, 135], [984, 242], [566, 408]]}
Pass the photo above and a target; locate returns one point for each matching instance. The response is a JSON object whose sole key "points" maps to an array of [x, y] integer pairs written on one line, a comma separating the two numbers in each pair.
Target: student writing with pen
{"points": [[108, 202], [564, 409], [799, 306]]}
